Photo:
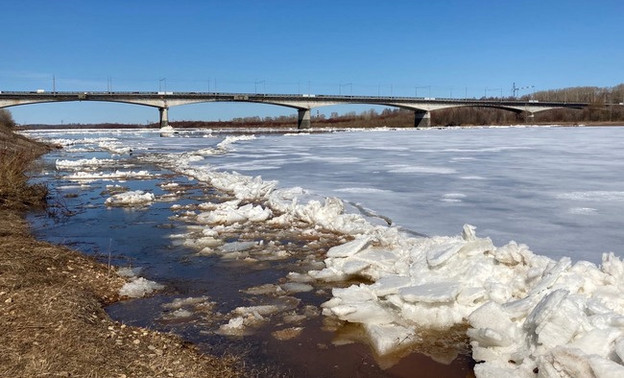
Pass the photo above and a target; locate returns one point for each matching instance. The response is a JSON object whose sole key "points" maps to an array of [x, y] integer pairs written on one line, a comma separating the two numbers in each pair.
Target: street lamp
{"points": [[256, 85], [345, 85], [417, 88], [164, 79], [494, 89]]}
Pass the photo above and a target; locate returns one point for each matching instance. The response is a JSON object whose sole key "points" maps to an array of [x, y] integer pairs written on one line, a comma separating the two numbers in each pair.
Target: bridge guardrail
{"points": [[298, 97]]}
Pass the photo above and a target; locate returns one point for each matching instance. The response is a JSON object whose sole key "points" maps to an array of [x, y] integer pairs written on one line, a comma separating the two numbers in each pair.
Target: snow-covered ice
{"points": [[139, 287], [131, 198], [95, 176], [76, 164]]}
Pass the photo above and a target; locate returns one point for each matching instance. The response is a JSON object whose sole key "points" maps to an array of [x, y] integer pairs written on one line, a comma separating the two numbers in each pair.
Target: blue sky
{"points": [[436, 48]]}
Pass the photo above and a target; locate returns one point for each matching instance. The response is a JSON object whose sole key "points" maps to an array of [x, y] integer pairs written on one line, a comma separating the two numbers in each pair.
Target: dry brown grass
{"points": [[52, 322], [15, 192], [16, 155]]}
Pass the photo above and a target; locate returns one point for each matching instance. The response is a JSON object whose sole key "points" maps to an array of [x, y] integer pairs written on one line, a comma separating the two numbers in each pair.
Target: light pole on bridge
{"points": [[256, 86], [350, 85], [494, 89], [164, 79], [425, 87]]}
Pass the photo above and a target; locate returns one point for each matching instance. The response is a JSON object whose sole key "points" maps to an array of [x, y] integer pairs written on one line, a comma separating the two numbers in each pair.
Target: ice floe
{"points": [[225, 145], [131, 198], [139, 287], [76, 164], [94, 176]]}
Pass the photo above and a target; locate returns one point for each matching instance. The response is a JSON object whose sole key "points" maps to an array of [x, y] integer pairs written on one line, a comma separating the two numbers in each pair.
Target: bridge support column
{"points": [[303, 120], [422, 119], [164, 117], [530, 117]]}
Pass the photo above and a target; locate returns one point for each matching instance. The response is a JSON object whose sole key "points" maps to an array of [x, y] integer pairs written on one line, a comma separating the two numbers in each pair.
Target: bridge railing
{"points": [[299, 97]]}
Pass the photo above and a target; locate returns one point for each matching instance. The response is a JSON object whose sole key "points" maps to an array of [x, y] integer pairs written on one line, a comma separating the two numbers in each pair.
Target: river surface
{"points": [[558, 190]]}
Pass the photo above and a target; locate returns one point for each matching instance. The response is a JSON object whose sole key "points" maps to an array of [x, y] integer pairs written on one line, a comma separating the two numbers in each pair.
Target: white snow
{"points": [[403, 168], [128, 272], [225, 145], [230, 212], [361, 190], [94, 176], [74, 164], [131, 198], [170, 186], [139, 287], [453, 197], [597, 195], [582, 210]]}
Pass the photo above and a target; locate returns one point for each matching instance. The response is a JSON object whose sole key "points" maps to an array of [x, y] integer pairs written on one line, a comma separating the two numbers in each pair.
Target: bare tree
{"points": [[6, 119]]}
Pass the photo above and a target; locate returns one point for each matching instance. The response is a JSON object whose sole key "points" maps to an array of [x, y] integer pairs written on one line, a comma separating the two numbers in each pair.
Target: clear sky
{"points": [[442, 48]]}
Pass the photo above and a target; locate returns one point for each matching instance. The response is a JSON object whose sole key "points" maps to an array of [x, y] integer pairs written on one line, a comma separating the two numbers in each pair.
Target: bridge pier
{"points": [[303, 119], [422, 119], [164, 116]]}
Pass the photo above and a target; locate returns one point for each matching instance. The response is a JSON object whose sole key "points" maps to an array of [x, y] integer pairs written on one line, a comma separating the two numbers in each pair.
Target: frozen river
{"points": [[241, 256], [559, 190]]}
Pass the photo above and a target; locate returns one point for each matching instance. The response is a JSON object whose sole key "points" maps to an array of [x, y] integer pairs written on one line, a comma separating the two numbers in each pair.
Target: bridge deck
{"points": [[422, 106]]}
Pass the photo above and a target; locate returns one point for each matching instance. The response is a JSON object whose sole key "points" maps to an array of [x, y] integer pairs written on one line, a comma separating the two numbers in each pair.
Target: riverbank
{"points": [[52, 321]]}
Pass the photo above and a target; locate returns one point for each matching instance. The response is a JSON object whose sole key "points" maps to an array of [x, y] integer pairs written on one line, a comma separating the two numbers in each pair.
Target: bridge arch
{"points": [[69, 112], [422, 107]]}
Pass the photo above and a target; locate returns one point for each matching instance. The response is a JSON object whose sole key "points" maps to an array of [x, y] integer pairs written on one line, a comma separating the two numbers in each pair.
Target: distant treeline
{"points": [[612, 95], [368, 118], [599, 111]]}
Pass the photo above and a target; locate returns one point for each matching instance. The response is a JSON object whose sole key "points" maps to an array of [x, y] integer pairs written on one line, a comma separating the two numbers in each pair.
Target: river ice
{"points": [[549, 313]]}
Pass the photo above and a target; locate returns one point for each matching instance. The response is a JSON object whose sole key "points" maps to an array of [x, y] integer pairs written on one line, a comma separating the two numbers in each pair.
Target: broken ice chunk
{"points": [[554, 320], [439, 255], [390, 285], [434, 292], [348, 249]]}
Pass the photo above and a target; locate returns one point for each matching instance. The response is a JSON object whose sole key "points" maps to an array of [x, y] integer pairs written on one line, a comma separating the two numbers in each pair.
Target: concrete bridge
{"points": [[303, 103]]}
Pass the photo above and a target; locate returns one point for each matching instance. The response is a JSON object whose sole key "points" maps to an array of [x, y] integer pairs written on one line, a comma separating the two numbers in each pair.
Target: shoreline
{"points": [[52, 318]]}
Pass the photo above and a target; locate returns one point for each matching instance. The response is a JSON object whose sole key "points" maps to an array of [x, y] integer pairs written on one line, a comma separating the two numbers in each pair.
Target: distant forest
{"points": [[597, 113]]}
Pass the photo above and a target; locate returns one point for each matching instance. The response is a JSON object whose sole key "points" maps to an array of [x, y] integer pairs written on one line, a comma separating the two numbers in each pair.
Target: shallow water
{"points": [[548, 188]]}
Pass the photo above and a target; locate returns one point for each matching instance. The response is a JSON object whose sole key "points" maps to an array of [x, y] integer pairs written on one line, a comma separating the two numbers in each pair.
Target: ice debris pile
{"points": [[526, 313]]}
